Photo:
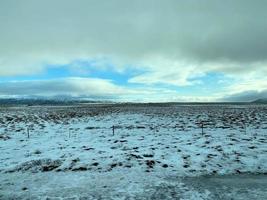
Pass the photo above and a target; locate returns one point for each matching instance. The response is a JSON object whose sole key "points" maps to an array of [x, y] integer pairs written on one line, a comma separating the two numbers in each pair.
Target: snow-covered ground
{"points": [[74, 147]]}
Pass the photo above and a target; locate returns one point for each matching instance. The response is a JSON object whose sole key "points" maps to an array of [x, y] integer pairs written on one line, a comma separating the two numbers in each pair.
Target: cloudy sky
{"points": [[141, 50]]}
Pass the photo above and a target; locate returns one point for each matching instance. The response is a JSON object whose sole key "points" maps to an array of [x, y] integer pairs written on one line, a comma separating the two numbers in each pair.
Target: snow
{"points": [[149, 142]]}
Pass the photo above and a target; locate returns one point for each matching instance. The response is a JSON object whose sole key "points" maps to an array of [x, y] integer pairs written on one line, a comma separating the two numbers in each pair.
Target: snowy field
{"points": [[138, 151]]}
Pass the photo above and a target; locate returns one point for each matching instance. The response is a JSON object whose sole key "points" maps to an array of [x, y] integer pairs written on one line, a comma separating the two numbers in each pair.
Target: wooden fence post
{"points": [[202, 128], [28, 132]]}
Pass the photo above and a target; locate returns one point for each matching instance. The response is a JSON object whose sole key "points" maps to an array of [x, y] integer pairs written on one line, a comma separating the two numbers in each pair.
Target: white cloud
{"points": [[248, 85], [166, 71]]}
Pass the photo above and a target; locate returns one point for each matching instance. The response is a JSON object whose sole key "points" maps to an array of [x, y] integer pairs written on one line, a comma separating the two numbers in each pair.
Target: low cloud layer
{"points": [[67, 86], [90, 88]]}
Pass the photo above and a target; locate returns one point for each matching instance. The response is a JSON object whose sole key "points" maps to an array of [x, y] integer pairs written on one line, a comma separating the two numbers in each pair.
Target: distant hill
{"points": [[72, 101], [263, 100], [35, 102]]}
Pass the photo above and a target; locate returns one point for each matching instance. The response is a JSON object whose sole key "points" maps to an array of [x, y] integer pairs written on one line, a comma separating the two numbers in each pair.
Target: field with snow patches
{"points": [[134, 151]]}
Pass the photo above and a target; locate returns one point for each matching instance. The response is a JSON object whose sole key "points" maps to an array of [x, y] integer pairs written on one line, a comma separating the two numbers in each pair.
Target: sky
{"points": [[138, 51]]}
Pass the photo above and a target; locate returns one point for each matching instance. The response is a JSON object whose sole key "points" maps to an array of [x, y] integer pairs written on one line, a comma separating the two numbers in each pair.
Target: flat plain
{"points": [[134, 151]]}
